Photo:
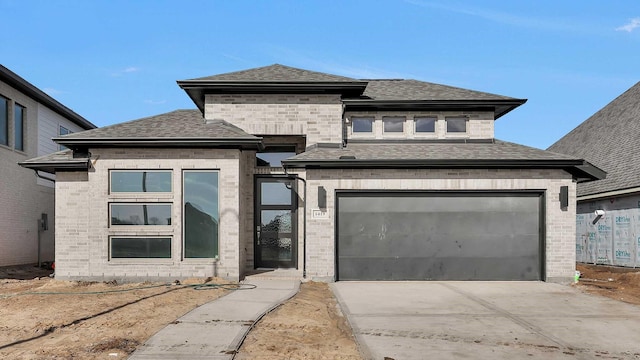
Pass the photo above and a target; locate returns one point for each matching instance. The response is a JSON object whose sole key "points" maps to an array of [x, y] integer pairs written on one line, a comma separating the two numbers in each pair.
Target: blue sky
{"points": [[114, 61]]}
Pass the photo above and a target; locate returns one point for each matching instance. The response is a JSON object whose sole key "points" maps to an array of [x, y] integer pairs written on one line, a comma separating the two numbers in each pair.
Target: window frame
{"points": [[21, 116], [276, 149], [4, 120], [372, 121], [393, 119], [60, 133], [184, 219], [466, 124], [416, 119], [111, 257], [137, 193], [111, 204]]}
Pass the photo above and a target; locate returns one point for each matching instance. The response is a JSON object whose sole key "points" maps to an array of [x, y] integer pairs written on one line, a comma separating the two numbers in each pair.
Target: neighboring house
{"points": [[610, 139], [330, 177], [29, 119]]}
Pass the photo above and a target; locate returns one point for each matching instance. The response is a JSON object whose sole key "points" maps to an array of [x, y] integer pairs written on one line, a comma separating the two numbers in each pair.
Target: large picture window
{"points": [[140, 247], [4, 121], [140, 214], [200, 213], [18, 127], [140, 181]]}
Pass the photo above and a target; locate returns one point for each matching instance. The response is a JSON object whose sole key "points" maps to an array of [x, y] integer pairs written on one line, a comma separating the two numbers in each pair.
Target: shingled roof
{"points": [[176, 128], [357, 94], [489, 153], [276, 73], [609, 140]]}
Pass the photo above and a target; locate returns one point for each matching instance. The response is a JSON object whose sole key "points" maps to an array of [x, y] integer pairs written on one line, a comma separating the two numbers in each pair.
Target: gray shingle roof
{"points": [[420, 90], [442, 154], [432, 150], [175, 125], [276, 73], [610, 140], [57, 160]]}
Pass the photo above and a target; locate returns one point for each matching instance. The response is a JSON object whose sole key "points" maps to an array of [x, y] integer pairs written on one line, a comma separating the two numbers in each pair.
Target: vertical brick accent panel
{"points": [[319, 117], [83, 230], [559, 224]]}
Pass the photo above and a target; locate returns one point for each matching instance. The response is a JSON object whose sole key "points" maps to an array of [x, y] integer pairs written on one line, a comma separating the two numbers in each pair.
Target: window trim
{"points": [[23, 111], [466, 124], [183, 248], [139, 193], [275, 149], [390, 119], [353, 125], [142, 259], [6, 119], [139, 226]]}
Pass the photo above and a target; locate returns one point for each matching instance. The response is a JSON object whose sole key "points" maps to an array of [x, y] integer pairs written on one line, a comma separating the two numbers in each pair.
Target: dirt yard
{"points": [[108, 321], [80, 320], [618, 283]]}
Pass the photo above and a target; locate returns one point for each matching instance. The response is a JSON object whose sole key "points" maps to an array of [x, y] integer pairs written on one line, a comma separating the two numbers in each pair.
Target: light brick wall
{"points": [[22, 200], [319, 117], [83, 216], [559, 224], [479, 126]]}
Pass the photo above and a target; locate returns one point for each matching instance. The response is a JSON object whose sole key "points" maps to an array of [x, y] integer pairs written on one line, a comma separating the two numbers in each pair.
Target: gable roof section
{"points": [[273, 79], [441, 154], [609, 139], [176, 128], [26, 87]]}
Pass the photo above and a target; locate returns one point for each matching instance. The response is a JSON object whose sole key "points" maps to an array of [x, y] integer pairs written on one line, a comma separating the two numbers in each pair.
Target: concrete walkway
{"points": [[215, 330]]}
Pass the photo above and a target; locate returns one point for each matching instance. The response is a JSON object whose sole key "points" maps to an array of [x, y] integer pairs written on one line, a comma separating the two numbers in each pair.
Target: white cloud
{"points": [[633, 23], [127, 70], [155, 102]]}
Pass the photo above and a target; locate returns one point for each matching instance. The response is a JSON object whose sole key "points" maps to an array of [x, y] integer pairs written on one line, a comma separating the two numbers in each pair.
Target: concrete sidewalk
{"points": [[215, 330]]}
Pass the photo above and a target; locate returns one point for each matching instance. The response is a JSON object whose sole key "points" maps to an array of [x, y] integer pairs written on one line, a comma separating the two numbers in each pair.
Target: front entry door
{"points": [[275, 223]]}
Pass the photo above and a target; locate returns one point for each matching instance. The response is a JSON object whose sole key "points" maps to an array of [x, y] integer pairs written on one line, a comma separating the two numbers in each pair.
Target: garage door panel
{"points": [[422, 236]]}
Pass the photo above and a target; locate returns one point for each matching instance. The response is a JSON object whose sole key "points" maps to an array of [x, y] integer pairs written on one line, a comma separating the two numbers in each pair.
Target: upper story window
{"points": [[141, 181], [362, 124], [393, 124], [63, 131], [18, 127], [273, 155], [425, 124], [4, 121], [456, 124]]}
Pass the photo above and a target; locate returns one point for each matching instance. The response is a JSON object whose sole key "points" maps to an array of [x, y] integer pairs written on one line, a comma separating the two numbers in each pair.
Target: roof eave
{"points": [[245, 143], [499, 106], [52, 166], [197, 89], [26, 87], [579, 169]]}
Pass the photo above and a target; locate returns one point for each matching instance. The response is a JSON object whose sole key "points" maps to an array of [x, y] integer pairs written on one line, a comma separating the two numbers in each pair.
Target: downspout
{"points": [[304, 223]]}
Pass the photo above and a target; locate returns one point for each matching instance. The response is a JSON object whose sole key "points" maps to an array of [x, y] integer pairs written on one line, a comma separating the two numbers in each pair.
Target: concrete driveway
{"points": [[487, 320]]}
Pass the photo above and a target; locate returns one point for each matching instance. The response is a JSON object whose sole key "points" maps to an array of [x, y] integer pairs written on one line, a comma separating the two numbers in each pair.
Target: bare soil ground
{"points": [[309, 326], [108, 320], [108, 323], [618, 283]]}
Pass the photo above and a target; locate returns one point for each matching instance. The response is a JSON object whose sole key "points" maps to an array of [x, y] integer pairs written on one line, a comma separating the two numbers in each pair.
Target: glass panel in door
{"points": [[275, 223]]}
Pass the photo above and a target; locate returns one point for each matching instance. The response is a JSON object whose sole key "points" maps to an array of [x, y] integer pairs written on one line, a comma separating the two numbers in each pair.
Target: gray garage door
{"points": [[439, 236]]}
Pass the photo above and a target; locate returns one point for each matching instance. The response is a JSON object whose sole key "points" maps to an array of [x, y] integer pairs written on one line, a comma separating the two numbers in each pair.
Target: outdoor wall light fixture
{"points": [[564, 197], [599, 214], [322, 197]]}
